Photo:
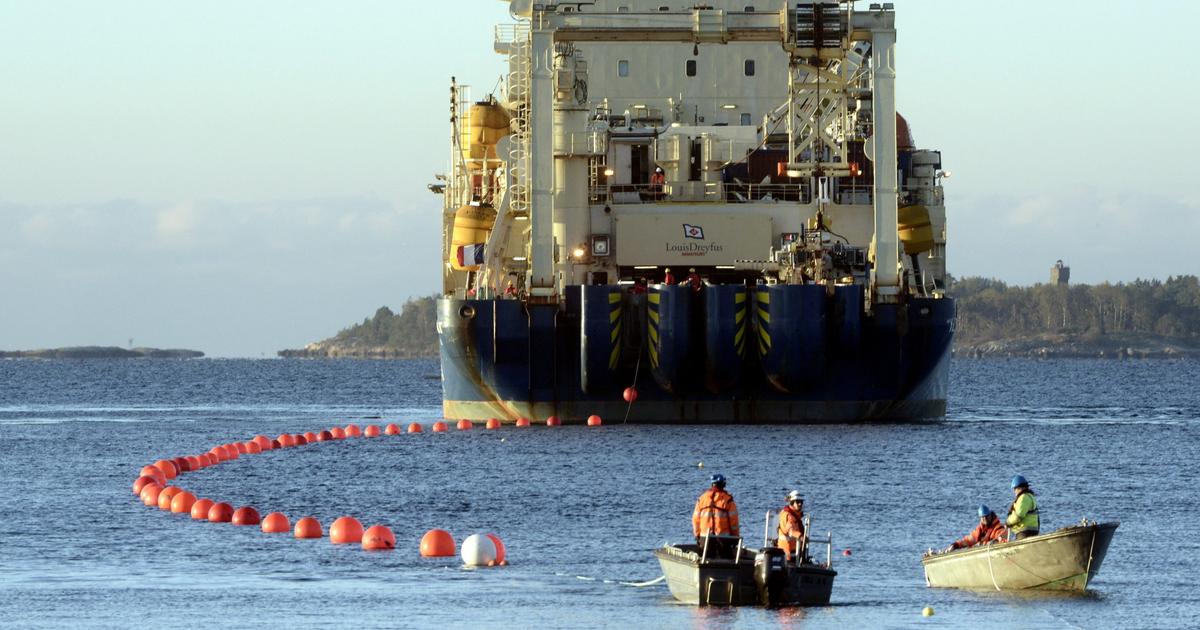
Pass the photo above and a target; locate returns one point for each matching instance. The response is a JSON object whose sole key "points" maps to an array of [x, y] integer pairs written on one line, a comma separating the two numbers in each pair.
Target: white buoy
{"points": [[478, 551]]}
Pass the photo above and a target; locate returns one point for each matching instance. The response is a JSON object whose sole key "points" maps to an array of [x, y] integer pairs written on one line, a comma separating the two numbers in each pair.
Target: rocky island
{"points": [[101, 352], [411, 334], [1140, 319]]}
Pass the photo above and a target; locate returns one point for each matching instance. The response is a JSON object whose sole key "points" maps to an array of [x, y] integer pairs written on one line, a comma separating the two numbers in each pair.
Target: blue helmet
{"points": [[984, 511], [717, 479], [1019, 481]]}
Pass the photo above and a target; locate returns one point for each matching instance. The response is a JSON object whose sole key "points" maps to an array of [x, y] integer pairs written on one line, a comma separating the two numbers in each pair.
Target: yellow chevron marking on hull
{"points": [[614, 298], [654, 298]]}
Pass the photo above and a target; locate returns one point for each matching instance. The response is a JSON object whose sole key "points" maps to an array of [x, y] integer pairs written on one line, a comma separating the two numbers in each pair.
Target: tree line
{"points": [[990, 309]]}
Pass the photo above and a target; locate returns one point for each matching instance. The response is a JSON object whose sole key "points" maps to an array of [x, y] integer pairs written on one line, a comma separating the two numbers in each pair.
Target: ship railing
{"points": [[699, 192], [580, 143]]}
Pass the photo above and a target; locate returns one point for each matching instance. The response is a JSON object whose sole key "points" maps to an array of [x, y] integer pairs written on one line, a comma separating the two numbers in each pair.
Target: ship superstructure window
{"points": [[749, 68], [691, 67], [750, 9], [745, 120], [623, 68]]}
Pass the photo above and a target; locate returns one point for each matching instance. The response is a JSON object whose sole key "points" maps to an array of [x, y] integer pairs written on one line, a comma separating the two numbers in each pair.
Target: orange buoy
{"points": [[212, 458], [195, 462], [378, 538], [522, 422], [594, 421], [275, 444], [846, 552], [276, 523], [287, 440], [165, 496], [414, 427], [372, 431], [155, 473], [263, 442], [310, 436], [553, 421], [464, 424], [391, 429], [345, 530], [437, 543], [220, 513], [182, 503], [221, 453], [231, 451], [167, 468], [308, 527], [492, 423], [500, 555], [141, 483], [324, 436], [246, 515], [253, 448], [630, 394], [439, 427], [149, 494], [301, 439], [181, 465], [200, 509], [352, 430], [338, 433], [241, 448]]}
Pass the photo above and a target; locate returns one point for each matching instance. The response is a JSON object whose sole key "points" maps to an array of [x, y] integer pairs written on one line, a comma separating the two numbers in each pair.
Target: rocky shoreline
{"points": [[324, 350], [101, 352], [1069, 346]]}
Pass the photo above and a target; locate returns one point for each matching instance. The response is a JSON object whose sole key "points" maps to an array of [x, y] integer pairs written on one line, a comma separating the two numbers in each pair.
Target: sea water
{"points": [[580, 509]]}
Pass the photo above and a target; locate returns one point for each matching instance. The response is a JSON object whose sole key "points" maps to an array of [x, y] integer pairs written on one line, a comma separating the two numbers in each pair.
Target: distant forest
{"points": [[410, 333], [988, 310]]}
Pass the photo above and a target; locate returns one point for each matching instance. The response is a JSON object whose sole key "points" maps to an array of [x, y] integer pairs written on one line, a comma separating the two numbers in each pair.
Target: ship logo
{"points": [[693, 231]]}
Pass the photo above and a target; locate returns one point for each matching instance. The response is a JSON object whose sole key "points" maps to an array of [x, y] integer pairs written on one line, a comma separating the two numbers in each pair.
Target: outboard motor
{"points": [[770, 575]]}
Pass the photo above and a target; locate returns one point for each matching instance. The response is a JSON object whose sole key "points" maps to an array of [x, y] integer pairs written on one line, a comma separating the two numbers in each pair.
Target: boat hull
{"points": [[729, 355], [731, 583], [1065, 560]]}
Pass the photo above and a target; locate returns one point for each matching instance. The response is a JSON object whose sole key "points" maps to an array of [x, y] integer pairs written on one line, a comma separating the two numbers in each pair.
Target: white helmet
{"points": [[795, 495]]}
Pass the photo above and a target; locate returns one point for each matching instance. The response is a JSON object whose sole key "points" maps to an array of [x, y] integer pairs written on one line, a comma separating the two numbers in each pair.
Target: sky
{"points": [[243, 177]]}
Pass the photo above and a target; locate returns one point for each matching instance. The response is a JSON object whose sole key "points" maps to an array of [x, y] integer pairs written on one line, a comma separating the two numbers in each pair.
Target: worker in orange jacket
{"points": [[791, 523], [989, 530], [715, 514]]}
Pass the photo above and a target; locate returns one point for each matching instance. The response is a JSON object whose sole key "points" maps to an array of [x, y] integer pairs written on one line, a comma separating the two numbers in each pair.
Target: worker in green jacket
{"points": [[1023, 519]]}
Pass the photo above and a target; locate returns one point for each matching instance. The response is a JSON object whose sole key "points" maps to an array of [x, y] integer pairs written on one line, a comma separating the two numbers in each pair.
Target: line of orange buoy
{"points": [[152, 487]]}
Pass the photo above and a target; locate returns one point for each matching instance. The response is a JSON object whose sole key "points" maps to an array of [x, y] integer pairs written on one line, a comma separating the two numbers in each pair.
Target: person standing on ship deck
{"points": [[1023, 520], [668, 277]]}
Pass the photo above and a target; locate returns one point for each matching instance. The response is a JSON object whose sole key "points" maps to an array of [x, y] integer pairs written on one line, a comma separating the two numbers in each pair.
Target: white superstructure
{"points": [[737, 138]]}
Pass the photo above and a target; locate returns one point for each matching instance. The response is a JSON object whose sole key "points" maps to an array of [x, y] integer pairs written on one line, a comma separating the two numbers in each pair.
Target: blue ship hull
{"points": [[729, 354]]}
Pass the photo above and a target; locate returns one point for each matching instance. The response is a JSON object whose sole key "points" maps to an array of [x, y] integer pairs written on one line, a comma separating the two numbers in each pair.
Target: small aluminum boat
{"points": [[1063, 560], [722, 572]]}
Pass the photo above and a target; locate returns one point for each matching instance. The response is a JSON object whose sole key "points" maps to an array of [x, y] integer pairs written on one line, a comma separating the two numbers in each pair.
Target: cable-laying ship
{"points": [[753, 149]]}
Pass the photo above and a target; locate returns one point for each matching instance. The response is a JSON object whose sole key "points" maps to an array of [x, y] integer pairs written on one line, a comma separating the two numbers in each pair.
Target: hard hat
{"points": [[984, 511], [658, 169], [691, 270], [1019, 481], [717, 478], [795, 495]]}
